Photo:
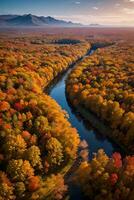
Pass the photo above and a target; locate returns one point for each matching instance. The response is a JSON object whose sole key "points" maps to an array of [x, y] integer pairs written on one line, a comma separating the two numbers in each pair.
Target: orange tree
{"points": [[103, 84], [107, 178], [36, 139]]}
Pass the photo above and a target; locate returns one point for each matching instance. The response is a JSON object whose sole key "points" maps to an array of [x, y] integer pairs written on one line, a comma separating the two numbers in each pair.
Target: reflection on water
{"points": [[85, 130]]}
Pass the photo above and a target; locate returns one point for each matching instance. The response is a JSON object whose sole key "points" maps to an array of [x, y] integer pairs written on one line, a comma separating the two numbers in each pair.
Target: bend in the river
{"points": [[86, 132], [57, 90]]}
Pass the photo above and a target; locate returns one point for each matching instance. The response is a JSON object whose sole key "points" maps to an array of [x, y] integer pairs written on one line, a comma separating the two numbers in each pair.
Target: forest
{"points": [[35, 136], [103, 83], [38, 143]]}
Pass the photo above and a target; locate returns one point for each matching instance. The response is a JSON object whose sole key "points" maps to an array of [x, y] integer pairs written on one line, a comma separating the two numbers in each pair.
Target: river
{"points": [[86, 131]]}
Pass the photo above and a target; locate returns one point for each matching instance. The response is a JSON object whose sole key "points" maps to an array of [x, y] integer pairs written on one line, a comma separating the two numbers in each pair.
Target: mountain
{"points": [[94, 25], [33, 20]]}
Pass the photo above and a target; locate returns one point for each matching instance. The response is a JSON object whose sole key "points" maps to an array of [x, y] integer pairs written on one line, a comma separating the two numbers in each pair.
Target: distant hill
{"points": [[33, 20], [94, 25]]}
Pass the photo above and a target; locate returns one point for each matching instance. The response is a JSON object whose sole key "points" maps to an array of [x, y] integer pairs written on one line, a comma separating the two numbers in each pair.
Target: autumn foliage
{"points": [[107, 178], [36, 139], [103, 84]]}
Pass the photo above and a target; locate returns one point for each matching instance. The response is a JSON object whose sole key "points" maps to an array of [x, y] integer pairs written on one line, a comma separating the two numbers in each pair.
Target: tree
{"points": [[19, 170], [6, 188], [20, 189], [116, 157], [4, 106], [32, 154], [34, 183], [113, 178], [54, 151], [41, 125], [60, 188], [14, 146]]}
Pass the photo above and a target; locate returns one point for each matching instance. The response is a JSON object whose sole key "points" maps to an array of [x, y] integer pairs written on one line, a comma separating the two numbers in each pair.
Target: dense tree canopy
{"points": [[36, 139], [107, 178], [103, 84]]}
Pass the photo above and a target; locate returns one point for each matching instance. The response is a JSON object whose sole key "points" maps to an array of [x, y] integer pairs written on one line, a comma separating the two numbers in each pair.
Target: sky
{"points": [[104, 12]]}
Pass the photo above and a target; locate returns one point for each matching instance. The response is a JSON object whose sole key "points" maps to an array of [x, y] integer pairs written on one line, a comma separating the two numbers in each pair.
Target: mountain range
{"points": [[33, 20]]}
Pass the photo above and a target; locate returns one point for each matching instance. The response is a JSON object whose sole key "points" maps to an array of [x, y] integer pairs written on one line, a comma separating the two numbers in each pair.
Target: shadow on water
{"points": [[86, 132]]}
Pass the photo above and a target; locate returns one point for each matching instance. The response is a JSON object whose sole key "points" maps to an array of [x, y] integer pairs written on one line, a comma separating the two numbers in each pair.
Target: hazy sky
{"points": [[117, 12]]}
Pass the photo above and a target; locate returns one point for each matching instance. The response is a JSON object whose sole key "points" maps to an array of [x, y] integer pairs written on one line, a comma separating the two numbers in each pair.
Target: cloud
{"points": [[129, 11], [89, 19], [77, 2], [117, 4], [95, 8], [129, 1]]}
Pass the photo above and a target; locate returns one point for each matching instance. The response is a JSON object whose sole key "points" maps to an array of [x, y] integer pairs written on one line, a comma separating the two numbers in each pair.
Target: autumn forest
{"points": [[43, 155]]}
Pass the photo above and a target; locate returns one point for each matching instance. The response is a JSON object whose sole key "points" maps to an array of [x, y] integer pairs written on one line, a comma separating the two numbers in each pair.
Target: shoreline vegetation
{"points": [[38, 143], [100, 88], [85, 90], [102, 128], [93, 47]]}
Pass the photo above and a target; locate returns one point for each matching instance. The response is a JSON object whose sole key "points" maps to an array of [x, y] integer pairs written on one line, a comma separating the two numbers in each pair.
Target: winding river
{"points": [[86, 131]]}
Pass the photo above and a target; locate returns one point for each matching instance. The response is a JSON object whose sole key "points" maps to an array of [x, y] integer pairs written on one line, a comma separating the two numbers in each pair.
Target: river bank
{"points": [[95, 141], [101, 127]]}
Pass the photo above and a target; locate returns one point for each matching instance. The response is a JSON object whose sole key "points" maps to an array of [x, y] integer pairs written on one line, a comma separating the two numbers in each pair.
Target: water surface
{"points": [[85, 130]]}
